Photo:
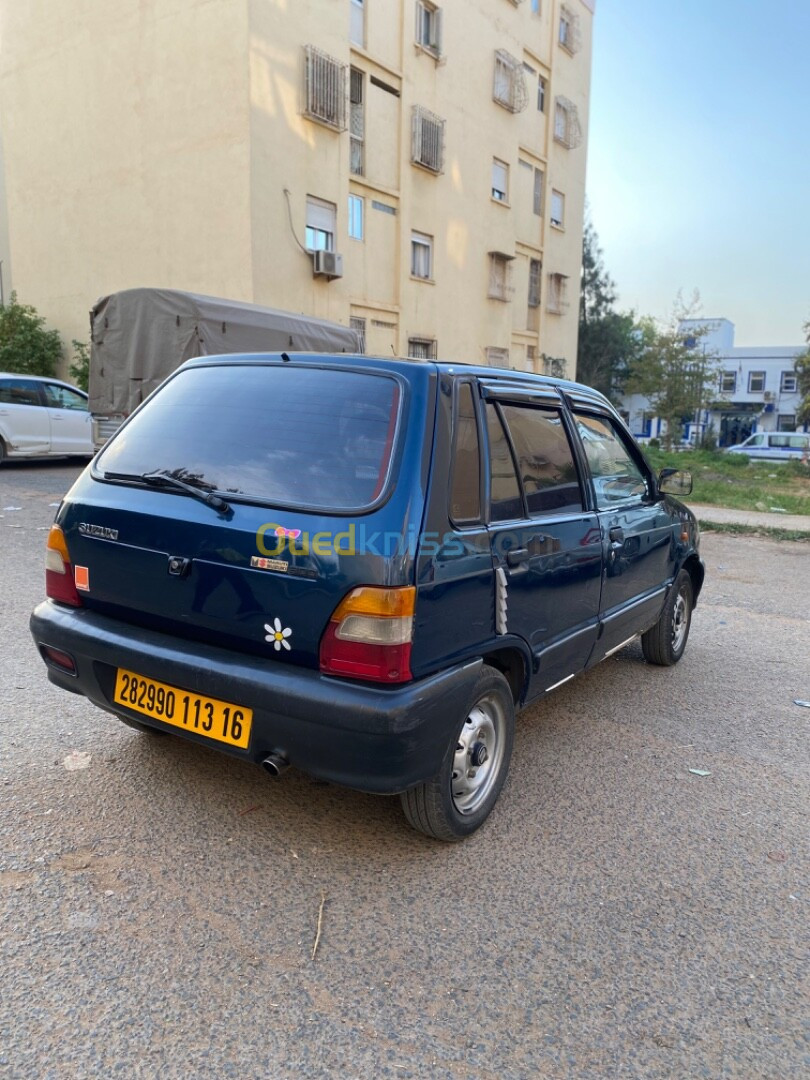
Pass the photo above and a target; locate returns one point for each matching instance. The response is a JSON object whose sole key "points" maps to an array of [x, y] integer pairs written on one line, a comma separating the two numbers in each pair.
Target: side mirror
{"points": [[675, 482]]}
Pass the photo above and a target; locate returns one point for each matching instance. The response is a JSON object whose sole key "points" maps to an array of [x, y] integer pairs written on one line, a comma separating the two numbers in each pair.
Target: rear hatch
{"points": [[245, 499]]}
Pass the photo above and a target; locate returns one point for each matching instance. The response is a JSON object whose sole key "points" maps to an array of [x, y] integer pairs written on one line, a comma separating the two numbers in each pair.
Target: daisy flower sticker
{"points": [[277, 635]]}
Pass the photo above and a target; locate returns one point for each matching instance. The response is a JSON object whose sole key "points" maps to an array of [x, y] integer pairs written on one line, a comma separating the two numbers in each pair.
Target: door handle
{"points": [[616, 535], [517, 556]]}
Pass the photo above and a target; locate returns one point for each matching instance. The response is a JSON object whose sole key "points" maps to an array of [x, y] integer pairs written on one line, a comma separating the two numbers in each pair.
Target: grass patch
{"points": [[734, 481], [764, 531]]}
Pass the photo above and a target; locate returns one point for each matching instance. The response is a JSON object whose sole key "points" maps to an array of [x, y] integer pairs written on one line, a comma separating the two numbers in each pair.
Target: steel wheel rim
{"points": [[680, 621], [472, 779]]}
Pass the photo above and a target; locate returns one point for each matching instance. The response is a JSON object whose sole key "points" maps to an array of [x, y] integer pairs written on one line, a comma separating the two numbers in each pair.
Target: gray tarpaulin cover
{"points": [[140, 336]]}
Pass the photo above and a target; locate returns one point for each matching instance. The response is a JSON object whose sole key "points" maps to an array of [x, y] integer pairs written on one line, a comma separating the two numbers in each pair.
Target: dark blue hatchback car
{"points": [[362, 567]]}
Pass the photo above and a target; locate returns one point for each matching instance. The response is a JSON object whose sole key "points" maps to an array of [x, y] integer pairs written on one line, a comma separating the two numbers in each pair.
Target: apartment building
{"points": [[416, 169], [757, 389]]}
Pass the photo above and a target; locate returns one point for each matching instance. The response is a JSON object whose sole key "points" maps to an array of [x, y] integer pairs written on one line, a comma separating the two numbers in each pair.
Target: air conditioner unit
{"points": [[768, 396], [327, 264]]}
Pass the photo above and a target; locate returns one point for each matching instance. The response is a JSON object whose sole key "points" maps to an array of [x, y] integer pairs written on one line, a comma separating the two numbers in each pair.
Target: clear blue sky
{"points": [[699, 158]]}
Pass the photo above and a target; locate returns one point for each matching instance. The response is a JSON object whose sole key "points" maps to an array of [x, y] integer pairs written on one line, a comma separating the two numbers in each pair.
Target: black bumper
{"points": [[379, 739]]}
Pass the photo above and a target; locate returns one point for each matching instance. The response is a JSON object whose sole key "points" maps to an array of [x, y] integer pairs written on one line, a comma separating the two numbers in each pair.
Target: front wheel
{"points": [[665, 642], [459, 799]]}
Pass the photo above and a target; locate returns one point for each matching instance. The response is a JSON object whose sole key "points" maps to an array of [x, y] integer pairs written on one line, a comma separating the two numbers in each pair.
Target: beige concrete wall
{"points": [[127, 153], [167, 145]]}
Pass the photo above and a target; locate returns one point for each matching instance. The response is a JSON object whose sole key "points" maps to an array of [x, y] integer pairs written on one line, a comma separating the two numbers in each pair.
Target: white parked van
{"points": [[774, 445]]}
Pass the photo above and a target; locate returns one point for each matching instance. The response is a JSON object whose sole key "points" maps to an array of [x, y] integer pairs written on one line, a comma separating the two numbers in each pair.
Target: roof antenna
{"points": [[393, 351], [285, 358]]}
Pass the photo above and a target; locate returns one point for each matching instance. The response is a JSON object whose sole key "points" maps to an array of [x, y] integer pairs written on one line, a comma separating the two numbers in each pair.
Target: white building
{"points": [[757, 390]]}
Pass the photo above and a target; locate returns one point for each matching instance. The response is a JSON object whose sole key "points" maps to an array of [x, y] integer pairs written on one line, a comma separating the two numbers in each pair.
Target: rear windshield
{"points": [[304, 437]]}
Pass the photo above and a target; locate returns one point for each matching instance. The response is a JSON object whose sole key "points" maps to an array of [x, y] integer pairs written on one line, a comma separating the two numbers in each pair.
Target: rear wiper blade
{"points": [[165, 479]]}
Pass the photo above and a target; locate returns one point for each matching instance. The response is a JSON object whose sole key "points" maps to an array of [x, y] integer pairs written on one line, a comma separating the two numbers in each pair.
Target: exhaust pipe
{"points": [[275, 765]]}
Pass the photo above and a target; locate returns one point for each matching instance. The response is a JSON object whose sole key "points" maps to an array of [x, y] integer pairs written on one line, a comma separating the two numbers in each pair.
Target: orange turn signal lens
{"points": [[372, 600]]}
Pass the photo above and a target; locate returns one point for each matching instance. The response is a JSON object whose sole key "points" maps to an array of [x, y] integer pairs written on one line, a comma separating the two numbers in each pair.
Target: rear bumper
{"points": [[378, 739]]}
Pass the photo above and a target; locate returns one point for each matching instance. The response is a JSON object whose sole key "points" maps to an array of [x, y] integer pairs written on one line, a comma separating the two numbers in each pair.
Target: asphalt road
{"points": [[619, 916]]}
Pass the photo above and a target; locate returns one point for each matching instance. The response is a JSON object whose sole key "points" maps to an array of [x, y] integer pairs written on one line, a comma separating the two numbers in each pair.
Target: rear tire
{"points": [[460, 797], [2, 451], [665, 642]]}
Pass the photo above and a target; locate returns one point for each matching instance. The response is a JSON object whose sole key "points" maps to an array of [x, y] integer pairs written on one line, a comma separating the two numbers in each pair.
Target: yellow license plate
{"points": [[206, 716]]}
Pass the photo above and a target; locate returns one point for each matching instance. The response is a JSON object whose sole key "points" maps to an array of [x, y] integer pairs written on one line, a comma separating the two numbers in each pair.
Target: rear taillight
{"points": [[369, 635], [59, 583]]}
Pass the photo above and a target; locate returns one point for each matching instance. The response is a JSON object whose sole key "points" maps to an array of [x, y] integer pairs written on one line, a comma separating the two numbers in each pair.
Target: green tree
{"points": [[608, 341], [25, 345], [673, 368], [802, 366]]}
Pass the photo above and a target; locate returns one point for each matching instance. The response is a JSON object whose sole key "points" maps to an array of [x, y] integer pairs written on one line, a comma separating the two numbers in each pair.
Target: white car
{"points": [[43, 418], [774, 446]]}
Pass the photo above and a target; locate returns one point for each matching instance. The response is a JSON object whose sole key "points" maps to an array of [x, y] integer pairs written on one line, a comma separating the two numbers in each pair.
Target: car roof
{"points": [[38, 378], [506, 375]]}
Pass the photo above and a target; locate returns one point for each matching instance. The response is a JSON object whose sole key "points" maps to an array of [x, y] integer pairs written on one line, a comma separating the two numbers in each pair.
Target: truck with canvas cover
{"points": [[138, 337]]}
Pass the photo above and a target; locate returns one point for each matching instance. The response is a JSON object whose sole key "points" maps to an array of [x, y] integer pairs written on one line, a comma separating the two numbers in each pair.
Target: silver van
{"points": [[774, 445]]}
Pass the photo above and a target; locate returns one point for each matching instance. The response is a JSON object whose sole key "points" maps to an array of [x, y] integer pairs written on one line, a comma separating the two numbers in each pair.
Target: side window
{"points": [[19, 392], [465, 488], [61, 397], [545, 460], [505, 498], [616, 477], [779, 441]]}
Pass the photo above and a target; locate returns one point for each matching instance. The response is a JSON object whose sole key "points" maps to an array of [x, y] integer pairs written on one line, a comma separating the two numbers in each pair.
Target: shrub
{"points": [[80, 368], [25, 345]]}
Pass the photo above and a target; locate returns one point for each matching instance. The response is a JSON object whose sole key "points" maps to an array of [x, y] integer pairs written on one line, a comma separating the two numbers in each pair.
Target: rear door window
{"points": [[545, 460], [19, 392], [309, 438]]}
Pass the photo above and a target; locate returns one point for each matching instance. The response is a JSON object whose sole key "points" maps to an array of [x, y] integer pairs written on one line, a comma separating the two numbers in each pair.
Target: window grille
{"points": [[357, 123], [422, 348], [509, 87], [429, 27], [427, 145], [359, 326], [553, 366], [324, 88], [535, 274], [497, 357], [556, 301], [567, 128], [569, 35], [500, 276]]}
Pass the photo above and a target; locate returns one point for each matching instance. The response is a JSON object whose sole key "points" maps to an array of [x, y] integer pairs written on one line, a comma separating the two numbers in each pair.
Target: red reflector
{"points": [[58, 658], [358, 659]]}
